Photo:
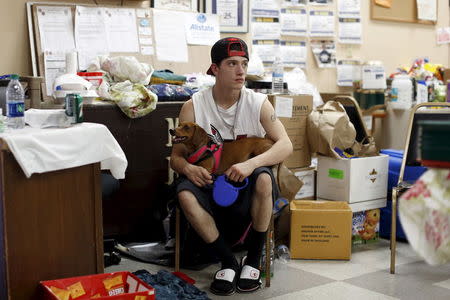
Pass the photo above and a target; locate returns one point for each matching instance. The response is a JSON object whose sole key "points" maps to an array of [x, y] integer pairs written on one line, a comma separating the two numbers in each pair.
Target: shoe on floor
{"points": [[224, 283], [249, 279]]}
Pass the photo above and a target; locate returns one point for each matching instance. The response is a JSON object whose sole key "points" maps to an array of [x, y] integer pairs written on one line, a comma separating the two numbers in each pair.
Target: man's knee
{"points": [[188, 202], [263, 186]]}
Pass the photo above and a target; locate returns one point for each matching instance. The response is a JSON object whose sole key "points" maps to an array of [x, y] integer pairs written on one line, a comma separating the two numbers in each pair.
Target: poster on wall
{"points": [[233, 14], [321, 23], [266, 29], [294, 3], [202, 29], [320, 2], [293, 53], [350, 31], [324, 52], [348, 70], [349, 8], [188, 5], [267, 50], [294, 21]]}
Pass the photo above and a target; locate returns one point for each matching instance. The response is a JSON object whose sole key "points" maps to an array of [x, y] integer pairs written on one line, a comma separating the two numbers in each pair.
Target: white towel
{"points": [[45, 150]]}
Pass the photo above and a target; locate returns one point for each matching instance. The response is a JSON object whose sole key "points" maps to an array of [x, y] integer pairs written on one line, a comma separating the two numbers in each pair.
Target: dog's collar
{"points": [[206, 151]]}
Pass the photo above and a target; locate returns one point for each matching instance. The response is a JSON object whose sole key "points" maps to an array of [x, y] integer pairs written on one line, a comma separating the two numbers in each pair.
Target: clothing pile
{"points": [[169, 286]]}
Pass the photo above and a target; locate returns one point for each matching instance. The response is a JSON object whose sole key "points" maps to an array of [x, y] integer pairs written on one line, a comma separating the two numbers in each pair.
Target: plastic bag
{"points": [[424, 211], [298, 84], [122, 68], [135, 100]]}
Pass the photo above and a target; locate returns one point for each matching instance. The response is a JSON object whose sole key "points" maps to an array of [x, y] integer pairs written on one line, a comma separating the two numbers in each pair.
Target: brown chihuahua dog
{"points": [[216, 159]]}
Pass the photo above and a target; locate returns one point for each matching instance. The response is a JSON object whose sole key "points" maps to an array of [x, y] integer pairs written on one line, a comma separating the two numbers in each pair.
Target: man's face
{"points": [[231, 72]]}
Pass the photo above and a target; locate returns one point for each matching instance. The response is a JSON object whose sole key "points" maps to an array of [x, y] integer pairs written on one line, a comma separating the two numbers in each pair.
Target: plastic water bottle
{"points": [[15, 103], [277, 76], [283, 253]]}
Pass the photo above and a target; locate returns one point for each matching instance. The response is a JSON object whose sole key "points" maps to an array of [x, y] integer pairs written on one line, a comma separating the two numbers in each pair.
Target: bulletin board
{"points": [[196, 53], [400, 11]]}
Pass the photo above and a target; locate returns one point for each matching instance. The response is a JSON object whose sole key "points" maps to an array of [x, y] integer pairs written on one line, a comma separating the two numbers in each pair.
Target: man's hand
{"points": [[198, 175], [238, 172]]}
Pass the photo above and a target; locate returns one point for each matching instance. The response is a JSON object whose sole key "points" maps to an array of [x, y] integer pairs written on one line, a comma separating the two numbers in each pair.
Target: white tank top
{"points": [[240, 120]]}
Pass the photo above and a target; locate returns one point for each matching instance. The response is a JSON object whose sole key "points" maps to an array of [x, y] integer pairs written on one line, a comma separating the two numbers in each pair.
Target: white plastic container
{"points": [[402, 92], [422, 92]]}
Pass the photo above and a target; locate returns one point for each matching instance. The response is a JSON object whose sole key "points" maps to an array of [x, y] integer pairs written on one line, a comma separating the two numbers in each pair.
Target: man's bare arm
{"points": [[276, 132], [198, 175], [279, 151]]}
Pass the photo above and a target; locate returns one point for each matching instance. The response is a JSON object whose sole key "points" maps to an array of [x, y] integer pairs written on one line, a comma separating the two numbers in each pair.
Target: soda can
{"points": [[74, 108]]}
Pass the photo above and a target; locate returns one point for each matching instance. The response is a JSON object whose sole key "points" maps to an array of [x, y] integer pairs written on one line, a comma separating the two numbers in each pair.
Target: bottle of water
{"points": [[277, 76], [283, 253], [15, 103]]}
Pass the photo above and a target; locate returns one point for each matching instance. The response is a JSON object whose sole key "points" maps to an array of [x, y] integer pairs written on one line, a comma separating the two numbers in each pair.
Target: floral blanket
{"points": [[424, 211]]}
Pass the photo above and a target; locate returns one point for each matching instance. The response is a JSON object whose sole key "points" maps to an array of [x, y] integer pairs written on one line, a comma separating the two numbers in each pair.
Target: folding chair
{"points": [[269, 236], [411, 157], [354, 113]]}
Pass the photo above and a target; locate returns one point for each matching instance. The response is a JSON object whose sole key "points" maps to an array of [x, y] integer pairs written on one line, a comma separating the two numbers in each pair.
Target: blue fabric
{"points": [[169, 286]]}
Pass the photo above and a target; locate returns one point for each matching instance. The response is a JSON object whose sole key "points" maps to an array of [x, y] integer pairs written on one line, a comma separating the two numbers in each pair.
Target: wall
{"points": [[393, 43]]}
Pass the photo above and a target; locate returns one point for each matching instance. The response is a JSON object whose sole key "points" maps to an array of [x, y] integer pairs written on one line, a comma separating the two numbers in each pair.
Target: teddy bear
{"points": [[370, 224]]}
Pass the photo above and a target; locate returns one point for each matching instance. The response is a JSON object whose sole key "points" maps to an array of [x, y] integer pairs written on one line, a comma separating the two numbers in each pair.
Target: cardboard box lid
{"points": [[308, 205]]}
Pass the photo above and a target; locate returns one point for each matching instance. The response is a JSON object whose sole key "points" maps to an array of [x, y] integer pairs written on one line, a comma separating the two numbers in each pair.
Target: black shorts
{"points": [[231, 221]]}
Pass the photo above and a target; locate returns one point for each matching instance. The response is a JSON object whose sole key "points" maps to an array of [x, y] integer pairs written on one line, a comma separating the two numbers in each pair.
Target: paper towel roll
{"points": [[71, 62]]}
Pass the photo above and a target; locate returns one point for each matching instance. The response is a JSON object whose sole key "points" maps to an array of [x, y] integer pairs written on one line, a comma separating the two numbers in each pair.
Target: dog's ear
{"points": [[199, 136]]}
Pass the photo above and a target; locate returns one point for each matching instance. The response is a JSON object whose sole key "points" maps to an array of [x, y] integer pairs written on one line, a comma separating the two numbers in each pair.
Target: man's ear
{"points": [[214, 68]]}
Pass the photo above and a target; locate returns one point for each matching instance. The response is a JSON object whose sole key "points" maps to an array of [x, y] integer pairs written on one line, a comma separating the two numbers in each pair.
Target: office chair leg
{"points": [[393, 229], [177, 239]]}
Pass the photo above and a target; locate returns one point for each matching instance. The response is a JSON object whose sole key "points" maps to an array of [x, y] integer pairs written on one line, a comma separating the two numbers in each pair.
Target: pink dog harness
{"points": [[206, 151]]}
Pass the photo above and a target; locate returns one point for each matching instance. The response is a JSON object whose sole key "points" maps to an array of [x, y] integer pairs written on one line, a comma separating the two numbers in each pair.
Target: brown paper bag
{"points": [[366, 148], [328, 127], [287, 182]]}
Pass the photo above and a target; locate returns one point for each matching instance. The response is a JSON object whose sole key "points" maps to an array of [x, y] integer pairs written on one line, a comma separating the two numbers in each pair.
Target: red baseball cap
{"points": [[227, 47]]}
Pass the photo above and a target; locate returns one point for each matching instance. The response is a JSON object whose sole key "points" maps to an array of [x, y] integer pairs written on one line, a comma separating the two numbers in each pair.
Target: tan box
{"points": [[320, 230], [293, 110]]}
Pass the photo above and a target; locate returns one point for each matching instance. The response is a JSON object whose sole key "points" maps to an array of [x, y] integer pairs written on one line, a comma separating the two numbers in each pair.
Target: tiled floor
{"points": [[366, 276]]}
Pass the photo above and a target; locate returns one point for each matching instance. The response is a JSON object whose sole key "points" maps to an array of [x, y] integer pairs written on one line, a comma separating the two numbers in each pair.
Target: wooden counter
{"points": [[133, 213], [50, 226]]}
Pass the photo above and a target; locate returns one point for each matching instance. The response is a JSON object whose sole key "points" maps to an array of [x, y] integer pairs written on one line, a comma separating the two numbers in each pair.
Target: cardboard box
{"points": [[293, 110], [352, 180], [308, 177], [320, 229], [108, 286]]}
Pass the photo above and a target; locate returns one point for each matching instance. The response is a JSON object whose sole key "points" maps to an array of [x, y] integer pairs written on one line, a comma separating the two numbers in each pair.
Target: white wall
{"points": [[393, 43]]}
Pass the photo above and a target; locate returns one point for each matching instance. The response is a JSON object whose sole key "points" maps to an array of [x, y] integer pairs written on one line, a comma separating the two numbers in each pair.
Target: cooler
{"points": [[411, 174]]}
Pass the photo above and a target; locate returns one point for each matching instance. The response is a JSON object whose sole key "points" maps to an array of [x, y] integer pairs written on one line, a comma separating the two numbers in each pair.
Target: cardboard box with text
{"points": [[320, 229], [293, 111]]}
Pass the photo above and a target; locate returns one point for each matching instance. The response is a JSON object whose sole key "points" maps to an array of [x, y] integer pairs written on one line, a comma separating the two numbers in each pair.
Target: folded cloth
{"points": [[43, 118], [167, 76], [45, 150]]}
